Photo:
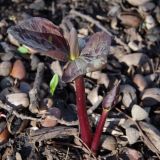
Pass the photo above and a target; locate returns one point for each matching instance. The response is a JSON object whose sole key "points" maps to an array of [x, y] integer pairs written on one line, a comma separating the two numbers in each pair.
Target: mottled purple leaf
{"points": [[82, 42], [72, 70], [111, 98], [93, 57], [43, 36], [97, 45]]}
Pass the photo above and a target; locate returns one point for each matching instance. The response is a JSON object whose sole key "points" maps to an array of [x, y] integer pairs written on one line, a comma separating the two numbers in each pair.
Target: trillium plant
{"points": [[47, 38]]}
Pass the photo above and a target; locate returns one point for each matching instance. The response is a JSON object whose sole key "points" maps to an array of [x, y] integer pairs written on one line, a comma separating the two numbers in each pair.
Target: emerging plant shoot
{"points": [[53, 83], [47, 38], [108, 103]]}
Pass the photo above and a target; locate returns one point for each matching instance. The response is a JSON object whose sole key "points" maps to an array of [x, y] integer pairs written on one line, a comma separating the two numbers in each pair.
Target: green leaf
{"points": [[53, 83], [22, 49]]}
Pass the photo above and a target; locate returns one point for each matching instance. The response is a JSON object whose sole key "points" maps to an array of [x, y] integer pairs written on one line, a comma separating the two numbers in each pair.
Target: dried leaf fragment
{"points": [[153, 135]]}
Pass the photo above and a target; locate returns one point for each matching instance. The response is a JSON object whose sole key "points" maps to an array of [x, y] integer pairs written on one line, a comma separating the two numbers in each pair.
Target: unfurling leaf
{"points": [[43, 36], [22, 49], [53, 83], [93, 57], [111, 99]]}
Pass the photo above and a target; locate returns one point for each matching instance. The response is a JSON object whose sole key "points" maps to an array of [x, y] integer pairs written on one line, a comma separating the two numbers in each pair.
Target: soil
{"points": [[132, 129]]}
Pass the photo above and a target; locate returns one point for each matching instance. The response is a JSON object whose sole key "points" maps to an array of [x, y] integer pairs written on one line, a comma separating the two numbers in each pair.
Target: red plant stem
{"points": [[99, 129], [85, 130]]}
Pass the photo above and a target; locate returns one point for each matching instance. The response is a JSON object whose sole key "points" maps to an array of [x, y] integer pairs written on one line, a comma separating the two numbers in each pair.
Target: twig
{"points": [[63, 122], [85, 148], [33, 93], [119, 41], [100, 26], [148, 141], [49, 133], [91, 20], [67, 154], [139, 128], [18, 115]]}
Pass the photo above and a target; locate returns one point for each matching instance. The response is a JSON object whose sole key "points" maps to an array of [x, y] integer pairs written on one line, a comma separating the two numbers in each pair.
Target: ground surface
{"points": [[132, 130]]}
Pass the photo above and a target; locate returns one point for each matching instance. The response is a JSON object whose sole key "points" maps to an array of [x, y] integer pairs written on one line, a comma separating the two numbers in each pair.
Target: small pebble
{"points": [[50, 120], [37, 5], [109, 143], [133, 46], [34, 62], [4, 134], [153, 34], [24, 87], [18, 70], [140, 81], [134, 59], [7, 56], [150, 78], [151, 97], [137, 2], [138, 113], [130, 20], [6, 82], [18, 99], [104, 79], [132, 135], [93, 95], [150, 22], [149, 6], [5, 68], [56, 68]]}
